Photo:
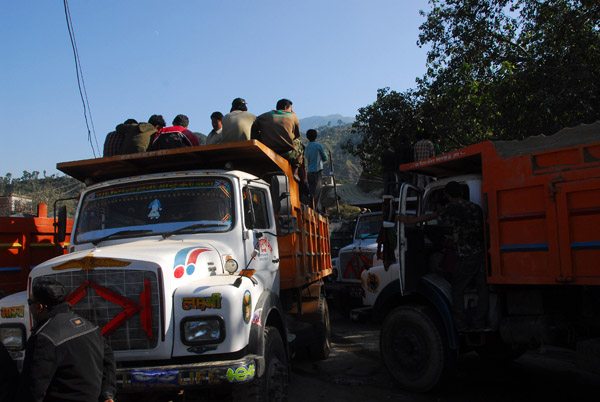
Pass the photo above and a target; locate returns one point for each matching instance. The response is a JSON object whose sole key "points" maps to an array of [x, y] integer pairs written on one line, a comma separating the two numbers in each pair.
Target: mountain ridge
{"points": [[321, 121]]}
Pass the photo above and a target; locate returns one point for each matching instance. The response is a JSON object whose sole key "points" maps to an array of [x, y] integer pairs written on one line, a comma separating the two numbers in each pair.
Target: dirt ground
{"points": [[355, 372]]}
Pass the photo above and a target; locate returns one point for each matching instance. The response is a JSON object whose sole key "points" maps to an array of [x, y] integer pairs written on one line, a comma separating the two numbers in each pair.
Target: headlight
{"points": [[202, 330], [231, 266], [13, 336]]}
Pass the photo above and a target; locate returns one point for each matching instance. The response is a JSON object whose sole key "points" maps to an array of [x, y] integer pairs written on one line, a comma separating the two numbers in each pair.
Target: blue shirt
{"points": [[315, 156]]}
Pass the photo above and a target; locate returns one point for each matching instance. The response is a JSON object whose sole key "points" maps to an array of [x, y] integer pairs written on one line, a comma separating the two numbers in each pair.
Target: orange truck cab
{"points": [[541, 207]]}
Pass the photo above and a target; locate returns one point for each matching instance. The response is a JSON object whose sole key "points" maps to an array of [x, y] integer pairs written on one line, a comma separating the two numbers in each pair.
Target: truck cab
{"points": [[423, 252], [353, 259]]}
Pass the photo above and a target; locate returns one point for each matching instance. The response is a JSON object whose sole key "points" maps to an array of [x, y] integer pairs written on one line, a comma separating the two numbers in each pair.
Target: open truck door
{"points": [[409, 204]]}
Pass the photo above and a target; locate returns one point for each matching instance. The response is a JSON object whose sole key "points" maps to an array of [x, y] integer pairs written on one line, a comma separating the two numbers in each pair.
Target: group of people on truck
{"points": [[278, 129]]}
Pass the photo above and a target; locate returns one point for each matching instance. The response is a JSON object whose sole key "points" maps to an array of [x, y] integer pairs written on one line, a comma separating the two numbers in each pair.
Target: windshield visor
{"points": [[156, 207]]}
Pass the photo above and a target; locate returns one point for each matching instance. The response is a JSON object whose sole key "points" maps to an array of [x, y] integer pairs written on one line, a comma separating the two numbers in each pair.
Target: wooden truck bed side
{"points": [[24, 243], [541, 203], [304, 257]]}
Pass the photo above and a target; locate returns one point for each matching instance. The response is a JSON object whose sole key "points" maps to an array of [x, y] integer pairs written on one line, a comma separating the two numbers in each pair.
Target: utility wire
{"points": [[81, 83]]}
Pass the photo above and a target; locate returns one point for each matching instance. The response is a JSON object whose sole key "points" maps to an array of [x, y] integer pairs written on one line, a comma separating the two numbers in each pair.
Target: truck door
{"points": [[260, 229], [578, 220], [410, 204]]}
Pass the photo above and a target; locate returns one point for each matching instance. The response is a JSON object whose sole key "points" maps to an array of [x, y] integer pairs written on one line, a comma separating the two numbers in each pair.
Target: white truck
{"points": [[343, 285], [200, 265]]}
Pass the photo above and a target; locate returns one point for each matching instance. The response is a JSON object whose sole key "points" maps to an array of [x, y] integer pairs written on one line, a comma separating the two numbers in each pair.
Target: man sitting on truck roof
{"points": [[466, 219], [114, 140], [176, 136], [237, 124], [280, 130]]}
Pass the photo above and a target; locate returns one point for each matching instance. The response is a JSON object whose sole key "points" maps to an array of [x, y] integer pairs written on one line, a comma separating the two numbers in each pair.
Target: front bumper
{"points": [[194, 375], [344, 289]]}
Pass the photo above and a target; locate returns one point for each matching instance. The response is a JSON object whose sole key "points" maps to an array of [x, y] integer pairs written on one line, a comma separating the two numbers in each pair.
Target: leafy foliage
{"points": [[496, 69], [391, 119], [47, 189]]}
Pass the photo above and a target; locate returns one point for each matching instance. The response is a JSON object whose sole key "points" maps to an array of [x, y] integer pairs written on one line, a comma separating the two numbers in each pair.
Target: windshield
{"points": [[155, 207], [368, 226]]}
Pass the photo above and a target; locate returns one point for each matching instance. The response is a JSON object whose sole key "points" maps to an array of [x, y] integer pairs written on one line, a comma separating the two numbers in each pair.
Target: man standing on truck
{"points": [[67, 358], [315, 155], [466, 219]]}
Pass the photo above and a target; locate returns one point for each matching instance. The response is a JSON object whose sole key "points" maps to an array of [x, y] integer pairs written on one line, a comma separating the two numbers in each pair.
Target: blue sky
{"points": [[191, 57]]}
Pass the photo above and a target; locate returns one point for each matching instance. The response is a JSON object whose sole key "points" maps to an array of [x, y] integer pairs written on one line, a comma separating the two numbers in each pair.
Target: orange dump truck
{"points": [[24, 243], [541, 204], [200, 265]]}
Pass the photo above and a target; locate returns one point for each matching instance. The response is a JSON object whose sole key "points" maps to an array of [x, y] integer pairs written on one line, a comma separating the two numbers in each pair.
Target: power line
{"points": [[81, 83]]}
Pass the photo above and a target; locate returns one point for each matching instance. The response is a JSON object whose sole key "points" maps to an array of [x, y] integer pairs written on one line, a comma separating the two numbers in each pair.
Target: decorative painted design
{"points": [[256, 317], [372, 282], [130, 308], [224, 186], [246, 306], [202, 303], [240, 373], [89, 263], [155, 208], [155, 377], [13, 312], [185, 261], [265, 246]]}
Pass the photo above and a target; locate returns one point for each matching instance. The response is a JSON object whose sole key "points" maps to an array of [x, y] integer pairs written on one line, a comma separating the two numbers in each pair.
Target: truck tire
{"points": [[273, 384], [414, 348], [320, 347]]}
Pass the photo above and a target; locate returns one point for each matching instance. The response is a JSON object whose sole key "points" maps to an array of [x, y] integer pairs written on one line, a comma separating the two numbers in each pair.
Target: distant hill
{"points": [[320, 121]]}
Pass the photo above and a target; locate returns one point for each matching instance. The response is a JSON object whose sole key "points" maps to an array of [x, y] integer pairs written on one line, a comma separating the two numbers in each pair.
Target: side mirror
{"points": [[280, 195], [60, 233], [287, 224]]}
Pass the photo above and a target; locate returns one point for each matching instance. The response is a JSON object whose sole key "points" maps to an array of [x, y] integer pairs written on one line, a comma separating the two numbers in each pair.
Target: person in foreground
{"points": [[67, 358]]}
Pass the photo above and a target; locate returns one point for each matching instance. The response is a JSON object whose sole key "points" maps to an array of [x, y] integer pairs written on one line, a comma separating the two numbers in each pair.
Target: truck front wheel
{"points": [[414, 349], [320, 347], [273, 384]]}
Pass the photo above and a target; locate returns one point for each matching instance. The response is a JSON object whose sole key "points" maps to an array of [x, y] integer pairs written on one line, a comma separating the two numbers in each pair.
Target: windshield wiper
{"points": [[120, 233], [193, 227]]}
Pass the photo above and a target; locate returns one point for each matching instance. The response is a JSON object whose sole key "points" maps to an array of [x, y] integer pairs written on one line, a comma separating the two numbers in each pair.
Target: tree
{"points": [[392, 119], [508, 69]]}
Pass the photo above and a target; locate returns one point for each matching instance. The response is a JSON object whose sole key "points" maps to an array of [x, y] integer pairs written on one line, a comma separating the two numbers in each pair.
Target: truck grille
{"points": [[123, 303], [352, 264]]}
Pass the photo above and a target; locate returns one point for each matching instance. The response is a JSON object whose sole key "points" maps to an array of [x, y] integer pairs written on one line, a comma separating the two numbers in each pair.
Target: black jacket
{"points": [[67, 359], [9, 375]]}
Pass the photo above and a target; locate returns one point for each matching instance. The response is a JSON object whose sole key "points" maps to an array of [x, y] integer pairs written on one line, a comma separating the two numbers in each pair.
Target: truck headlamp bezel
{"points": [[22, 338], [198, 319], [231, 266]]}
